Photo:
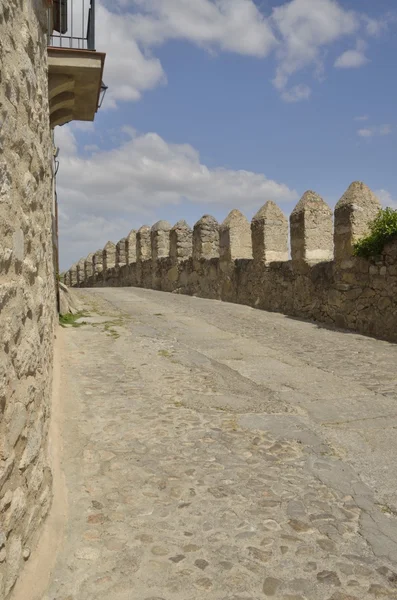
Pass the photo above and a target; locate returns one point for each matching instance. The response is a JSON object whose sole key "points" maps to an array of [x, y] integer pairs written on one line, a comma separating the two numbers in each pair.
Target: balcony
{"points": [[75, 67]]}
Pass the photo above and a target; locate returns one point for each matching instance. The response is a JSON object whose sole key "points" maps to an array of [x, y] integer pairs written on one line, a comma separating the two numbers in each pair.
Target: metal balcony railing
{"points": [[71, 24]]}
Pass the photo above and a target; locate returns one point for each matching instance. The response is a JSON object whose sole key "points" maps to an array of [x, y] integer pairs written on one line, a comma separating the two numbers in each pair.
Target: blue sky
{"points": [[221, 104]]}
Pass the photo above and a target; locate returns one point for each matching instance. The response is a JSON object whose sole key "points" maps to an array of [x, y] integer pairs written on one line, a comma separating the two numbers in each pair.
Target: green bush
{"points": [[382, 229]]}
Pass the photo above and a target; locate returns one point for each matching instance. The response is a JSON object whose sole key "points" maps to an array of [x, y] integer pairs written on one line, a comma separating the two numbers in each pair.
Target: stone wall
{"points": [[27, 282], [248, 263]]}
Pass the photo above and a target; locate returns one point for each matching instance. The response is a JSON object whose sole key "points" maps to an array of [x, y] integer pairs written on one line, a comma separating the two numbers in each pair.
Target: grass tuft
{"points": [[69, 320], [164, 353]]}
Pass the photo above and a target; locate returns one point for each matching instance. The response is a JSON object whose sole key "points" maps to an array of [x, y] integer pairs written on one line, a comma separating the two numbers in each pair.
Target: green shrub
{"points": [[382, 229]]}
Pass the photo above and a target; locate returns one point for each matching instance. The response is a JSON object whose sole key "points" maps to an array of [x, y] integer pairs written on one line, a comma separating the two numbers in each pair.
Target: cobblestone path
{"points": [[215, 451]]}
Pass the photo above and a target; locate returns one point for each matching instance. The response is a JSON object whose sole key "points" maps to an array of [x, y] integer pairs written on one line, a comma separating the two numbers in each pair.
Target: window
{"points": [[60, 12]]}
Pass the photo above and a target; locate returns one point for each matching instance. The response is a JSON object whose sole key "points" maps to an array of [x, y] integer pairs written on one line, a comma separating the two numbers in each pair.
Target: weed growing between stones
{"points": [[164, 353], [69, 320], [109, 329]]}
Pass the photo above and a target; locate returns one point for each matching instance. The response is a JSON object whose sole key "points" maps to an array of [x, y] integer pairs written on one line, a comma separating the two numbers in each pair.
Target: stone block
{"points": [[97, 262], [160, 240], [89, 266], [311, 230], [15, 418], [235, 237], [73, 275], [269, 232], [67, 278], [16, 509], [143, 244], [353, 213], [81, 271], [206, 238], [33, 444], [131, 247], [14, 556], [121, 252], [109, 256], [181, 242]]}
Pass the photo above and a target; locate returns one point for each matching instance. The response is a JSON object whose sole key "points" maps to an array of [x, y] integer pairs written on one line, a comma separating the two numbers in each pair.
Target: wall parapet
{"points": [[248, 263], [206, 238], [311, 230], [269, 232]]}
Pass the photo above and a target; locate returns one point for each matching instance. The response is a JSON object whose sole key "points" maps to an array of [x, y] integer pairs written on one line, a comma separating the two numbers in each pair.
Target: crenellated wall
{"points": [[248, 263]]}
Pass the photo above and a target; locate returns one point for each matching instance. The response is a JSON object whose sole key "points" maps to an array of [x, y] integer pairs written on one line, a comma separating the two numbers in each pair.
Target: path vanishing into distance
{"points": [[210, 450]]}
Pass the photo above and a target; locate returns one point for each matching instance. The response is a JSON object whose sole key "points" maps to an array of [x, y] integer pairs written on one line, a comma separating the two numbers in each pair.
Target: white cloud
{"points": [[86, 126], [365, 133], [385, 129], [375, 27], [65, 140], [305, 27], [146, 172], [126, 186], [361, 118], [298, 31], [231, 25], [128, 38], [129, 71], [91, 148], [353, 59], [296, 93], [386, 198], [369, 132]]}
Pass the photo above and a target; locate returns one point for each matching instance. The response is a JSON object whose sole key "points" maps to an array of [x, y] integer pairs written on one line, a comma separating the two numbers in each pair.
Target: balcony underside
{"points": [[74, 83]]}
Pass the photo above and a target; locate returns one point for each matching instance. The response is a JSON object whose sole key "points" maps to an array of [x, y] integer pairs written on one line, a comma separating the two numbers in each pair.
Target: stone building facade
{"points": [[40, 87], [27, 282], [248, 263]]}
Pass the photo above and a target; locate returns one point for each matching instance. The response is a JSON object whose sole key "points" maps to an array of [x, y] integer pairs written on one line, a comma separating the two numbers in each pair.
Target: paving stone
{"points": [[342, 596], [379, 591], [194, 473], [271, 585], [178, 558], [201, 563], [328, 577]]}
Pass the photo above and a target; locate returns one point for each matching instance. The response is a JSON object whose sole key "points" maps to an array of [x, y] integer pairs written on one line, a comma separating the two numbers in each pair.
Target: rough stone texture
{"points": [[89, 266], [216, 452], [131, 247], [143, 244], [357, 207], [80, 271], [97, 262], [144, 257], [69, 304], [181, 241], [109, 256], [269, 231], [121, 252], [27, 285], [355, 294], [66, 278], [160, 240], [311, 230], [206, 238], [235, 237], [73, 275]]}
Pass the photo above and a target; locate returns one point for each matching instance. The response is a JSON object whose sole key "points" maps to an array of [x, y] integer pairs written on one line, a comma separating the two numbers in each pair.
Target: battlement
{"points": [[249, 263]]}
